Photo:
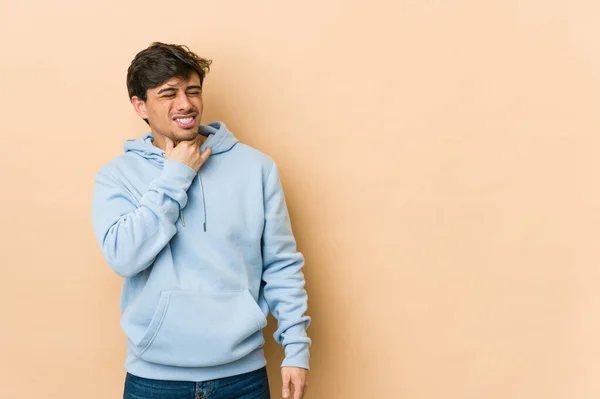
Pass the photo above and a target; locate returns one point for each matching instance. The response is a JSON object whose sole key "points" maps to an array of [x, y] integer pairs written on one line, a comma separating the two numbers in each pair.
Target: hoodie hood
{"points": [[219, 138]]}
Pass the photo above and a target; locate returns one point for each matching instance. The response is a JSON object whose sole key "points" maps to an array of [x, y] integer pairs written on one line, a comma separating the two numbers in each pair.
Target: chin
{"points": [[186, 135]]}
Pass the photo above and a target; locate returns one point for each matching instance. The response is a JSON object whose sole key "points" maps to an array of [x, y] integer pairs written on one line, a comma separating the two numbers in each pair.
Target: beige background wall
{"points": [[441, 164]]}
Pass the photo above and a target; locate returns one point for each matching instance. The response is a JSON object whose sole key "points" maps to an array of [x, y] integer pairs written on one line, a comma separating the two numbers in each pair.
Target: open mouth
{"points": [[187, 122]]}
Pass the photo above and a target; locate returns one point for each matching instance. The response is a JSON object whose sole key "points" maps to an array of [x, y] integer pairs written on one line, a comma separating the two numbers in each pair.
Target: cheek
{"points": [[163, 113]]}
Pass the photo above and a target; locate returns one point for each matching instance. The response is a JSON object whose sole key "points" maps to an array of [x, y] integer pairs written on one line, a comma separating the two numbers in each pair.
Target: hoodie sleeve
{"points": [[132, 233], [282, 273]]}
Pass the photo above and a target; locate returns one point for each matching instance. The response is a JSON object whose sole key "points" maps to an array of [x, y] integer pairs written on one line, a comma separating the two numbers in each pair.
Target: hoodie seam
{"points": [[271, 171]]}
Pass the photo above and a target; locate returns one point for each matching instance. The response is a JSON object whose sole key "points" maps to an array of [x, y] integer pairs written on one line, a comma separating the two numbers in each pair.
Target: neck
{"points": [[159, 140]]}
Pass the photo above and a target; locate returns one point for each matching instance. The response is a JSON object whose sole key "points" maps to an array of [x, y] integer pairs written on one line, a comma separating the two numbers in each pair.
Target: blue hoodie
{"points": [[205, 257]]}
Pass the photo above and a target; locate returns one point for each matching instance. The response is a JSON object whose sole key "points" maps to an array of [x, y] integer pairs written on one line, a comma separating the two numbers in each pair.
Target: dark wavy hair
{"points": [[160, 62]]}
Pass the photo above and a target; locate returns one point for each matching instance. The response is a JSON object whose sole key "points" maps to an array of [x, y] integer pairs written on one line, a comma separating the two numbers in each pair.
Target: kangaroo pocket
{"points": [[191, 329]]}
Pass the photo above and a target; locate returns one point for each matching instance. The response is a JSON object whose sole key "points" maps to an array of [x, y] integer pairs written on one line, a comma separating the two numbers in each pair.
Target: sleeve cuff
{"points": [[177, 175], [296, 355]]}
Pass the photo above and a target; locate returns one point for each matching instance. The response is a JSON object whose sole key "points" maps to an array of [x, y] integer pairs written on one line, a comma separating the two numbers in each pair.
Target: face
{"points": [[173, 109]]}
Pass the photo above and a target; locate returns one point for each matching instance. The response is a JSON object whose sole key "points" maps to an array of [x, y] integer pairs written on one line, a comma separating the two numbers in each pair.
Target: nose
{"points": [[183, 102]]}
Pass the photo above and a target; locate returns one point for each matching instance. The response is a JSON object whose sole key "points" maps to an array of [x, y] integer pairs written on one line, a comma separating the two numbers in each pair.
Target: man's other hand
{"points": [[295, 377]]}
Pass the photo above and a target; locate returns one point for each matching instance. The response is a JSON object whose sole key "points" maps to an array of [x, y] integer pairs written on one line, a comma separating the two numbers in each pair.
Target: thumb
{"points": [[285, 391], [204, 156]]}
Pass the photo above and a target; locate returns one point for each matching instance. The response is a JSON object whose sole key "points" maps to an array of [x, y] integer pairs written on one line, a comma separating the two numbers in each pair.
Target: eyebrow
{"points": [[174, 89]]}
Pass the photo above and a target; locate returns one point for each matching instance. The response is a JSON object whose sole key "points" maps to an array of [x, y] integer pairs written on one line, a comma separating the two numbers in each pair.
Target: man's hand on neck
{"points": [[160, 141]]}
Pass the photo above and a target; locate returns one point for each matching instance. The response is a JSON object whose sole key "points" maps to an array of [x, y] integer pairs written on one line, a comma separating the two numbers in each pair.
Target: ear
{"points": [[139, 106]]}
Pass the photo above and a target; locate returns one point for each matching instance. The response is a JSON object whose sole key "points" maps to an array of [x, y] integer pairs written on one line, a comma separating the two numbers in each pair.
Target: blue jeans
{"points": [[252, 385]]}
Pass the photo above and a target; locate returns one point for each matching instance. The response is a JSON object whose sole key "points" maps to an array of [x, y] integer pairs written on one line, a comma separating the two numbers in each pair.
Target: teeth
{"points": [[184, 120]]}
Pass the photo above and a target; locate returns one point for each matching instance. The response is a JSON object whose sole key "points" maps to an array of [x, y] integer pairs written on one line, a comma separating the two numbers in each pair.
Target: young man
{"points": [[197, 224]]}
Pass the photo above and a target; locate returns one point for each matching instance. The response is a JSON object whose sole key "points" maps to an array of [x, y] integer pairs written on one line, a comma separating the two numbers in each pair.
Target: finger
{"points": [[285, 389], [298, 388], [204, 156]]}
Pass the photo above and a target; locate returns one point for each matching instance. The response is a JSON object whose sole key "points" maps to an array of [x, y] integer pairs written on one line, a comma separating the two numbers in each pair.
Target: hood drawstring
{"points": [[203, 200], [203, 206]]}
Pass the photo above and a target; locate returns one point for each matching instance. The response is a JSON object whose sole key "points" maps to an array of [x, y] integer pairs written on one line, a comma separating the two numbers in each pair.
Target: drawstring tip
{"points": [[205, 226]]}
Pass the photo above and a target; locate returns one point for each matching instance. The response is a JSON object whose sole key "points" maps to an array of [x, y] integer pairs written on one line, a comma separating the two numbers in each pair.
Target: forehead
{"points": [[181, 82]]}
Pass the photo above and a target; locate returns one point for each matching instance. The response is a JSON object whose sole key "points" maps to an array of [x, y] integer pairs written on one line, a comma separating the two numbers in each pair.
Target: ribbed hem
{"points": [[138, 367]]}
